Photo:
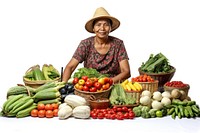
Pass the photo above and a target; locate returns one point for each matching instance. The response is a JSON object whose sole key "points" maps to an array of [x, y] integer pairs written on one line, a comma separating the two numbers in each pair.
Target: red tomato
{"points": [[49, 114], [40, 106], [97, 85], [93, 89], [55, 112], [41, 113], [111, 81], [48, 107], [131, 115], [94, 79], [34, 113], [55, 105], [85, 88], [89, 83], [75, 80], [84, 78], [124, 109], [106, 80]]}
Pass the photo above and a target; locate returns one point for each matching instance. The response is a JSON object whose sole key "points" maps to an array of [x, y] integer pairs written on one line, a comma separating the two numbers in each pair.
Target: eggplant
{"points": [[63, 91]]}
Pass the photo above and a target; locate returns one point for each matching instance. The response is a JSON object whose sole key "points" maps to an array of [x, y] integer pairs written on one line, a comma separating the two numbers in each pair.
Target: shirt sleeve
{"points": [[81, 52]]}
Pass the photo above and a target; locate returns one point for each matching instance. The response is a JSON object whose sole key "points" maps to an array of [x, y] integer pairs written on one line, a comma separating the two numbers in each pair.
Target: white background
{"points": [[48, 31]]}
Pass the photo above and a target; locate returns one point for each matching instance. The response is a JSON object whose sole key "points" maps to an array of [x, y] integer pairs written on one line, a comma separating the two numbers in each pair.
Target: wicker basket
{"points": [[185, 89], [135, 95], [36, 84], [161, 77], [94, 95], [150, 86]]}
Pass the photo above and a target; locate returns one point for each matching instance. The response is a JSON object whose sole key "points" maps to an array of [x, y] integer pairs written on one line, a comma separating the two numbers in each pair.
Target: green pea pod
{"points": [[181, 110]]}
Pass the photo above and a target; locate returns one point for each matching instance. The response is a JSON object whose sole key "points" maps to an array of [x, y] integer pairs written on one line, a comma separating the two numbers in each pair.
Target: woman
{"points": [[102, 52]]}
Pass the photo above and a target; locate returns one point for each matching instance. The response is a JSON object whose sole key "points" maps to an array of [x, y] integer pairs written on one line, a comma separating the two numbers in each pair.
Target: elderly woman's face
{"points": [[102, 27]]}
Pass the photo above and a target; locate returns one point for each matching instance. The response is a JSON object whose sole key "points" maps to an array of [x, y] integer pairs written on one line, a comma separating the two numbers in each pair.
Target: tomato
{"points": [[81, 82], [89, 83], [48, 107], [75, 80], [94, 79], [124, 109], [41, 113], [55, 112], [85, 88], [94, 115], [55, 105], [80, 87], [40, 106], [113, 116], [97, 85], [49, 114], [100, 115], [119, 109], [101, 81], [106, 80], [111, 81], [93, 89], [120, 117], [34, 113], [131, 115], [126, 115], [84, 78]]}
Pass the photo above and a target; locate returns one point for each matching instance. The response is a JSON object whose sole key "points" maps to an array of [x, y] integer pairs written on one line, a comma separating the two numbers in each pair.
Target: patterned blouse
{"points": [[105, 64]]}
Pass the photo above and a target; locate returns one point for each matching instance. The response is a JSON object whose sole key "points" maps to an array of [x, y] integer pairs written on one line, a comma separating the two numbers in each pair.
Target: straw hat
{"points": [[101, 13]]}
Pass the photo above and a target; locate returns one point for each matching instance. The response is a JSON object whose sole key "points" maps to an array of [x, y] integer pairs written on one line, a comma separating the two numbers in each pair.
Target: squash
{"points": [[75, 100], [81, 112], [64, 112]]}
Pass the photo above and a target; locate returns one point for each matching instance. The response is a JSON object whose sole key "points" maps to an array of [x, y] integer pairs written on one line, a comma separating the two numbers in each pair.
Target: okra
{"points": [[190, 111], [186, 113], [173, 115], [181, 110], [176, 110], [27, 104], [195, 109], [26, 112], [171, 111], [179, 115], [190, 103]]}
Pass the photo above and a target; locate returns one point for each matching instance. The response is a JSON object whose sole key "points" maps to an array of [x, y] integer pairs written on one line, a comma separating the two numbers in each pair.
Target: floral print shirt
{"points": [[105, 64]]}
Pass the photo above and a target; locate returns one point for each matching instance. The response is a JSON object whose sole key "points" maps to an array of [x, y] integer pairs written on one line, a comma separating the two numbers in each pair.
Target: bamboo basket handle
{"points": [[31, 68]]}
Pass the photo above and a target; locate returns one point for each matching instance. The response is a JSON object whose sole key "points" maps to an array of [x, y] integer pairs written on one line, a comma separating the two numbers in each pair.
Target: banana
{"points": [[128, 87], [131, 86], [138, 86]]}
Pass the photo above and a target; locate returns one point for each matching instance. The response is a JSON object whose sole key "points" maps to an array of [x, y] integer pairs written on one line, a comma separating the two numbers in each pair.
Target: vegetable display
{"points": [[156, 64]]}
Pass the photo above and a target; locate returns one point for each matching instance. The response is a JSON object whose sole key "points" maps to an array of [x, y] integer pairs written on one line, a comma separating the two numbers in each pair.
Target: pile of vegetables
{"points": [[156, 64], [48, 72], [89, 72], [118, 96]]}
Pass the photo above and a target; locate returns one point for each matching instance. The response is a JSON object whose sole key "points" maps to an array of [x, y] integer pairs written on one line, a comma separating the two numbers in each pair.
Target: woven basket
{"points": [[161, 77], [135, 95], [94, 95], [185, 89], [36, 84], [150, 86]]}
